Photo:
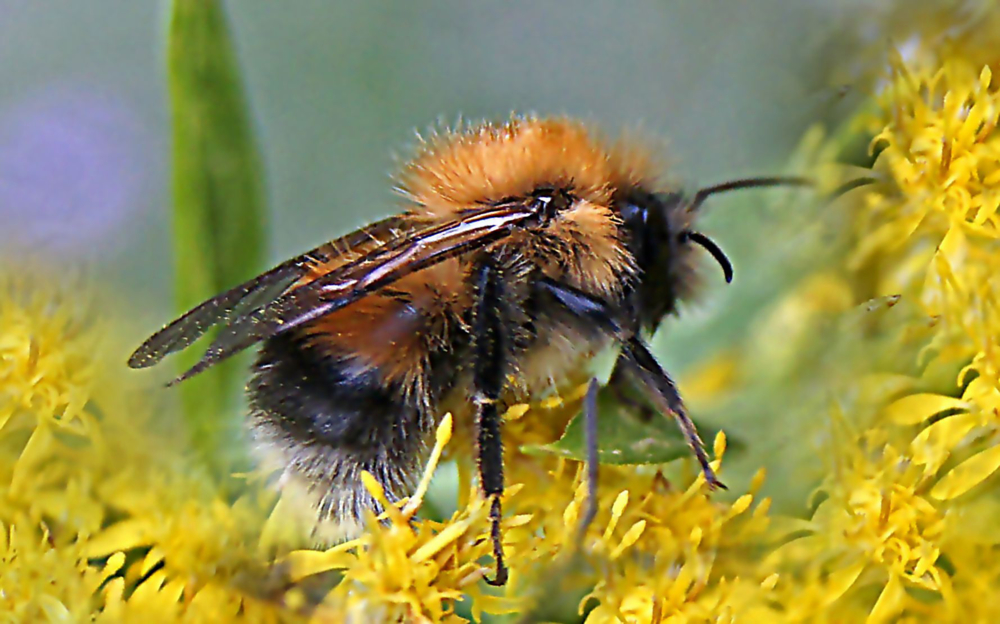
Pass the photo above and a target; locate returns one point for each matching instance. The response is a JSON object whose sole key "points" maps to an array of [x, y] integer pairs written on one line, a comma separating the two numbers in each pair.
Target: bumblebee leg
{"points": [[491, 351], [638, 363], [585, 307], [662, 392], [590, 436]]}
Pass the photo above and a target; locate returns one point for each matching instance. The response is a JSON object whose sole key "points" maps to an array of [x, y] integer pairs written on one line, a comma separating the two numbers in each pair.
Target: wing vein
{"points": [[271, 304]]}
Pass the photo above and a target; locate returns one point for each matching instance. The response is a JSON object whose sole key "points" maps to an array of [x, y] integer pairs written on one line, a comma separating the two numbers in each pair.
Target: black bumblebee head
{"points": [[662, 238]]}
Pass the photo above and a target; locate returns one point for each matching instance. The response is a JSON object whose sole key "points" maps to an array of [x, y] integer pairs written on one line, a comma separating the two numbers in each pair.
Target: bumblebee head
{"points": [[658, 227], [661, 237]]}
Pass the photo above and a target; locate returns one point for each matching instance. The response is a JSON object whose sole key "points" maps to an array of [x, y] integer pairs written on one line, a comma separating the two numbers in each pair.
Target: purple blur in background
{"points": [[74, 166]]}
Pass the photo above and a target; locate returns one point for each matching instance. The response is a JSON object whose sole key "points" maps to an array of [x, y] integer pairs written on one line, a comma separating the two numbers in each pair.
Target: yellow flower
{"points": [[406, 569], [896, 514], [136, 529], [874, 528], [43, 581], [47, 366], [941, 150], [676, 550], [99, 497], [673, 596]]}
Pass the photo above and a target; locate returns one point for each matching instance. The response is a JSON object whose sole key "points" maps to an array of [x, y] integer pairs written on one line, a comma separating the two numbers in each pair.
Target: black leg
{"points": [[663, 393], [590, 435], [491, 352], [638, 363], [585, 307]]}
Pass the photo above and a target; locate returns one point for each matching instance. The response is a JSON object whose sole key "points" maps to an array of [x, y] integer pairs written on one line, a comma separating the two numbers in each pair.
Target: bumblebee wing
{"points": [[249, 296], [372, 272]]}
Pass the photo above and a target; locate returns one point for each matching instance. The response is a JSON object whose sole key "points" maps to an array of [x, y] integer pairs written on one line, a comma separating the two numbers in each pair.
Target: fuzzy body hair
{"points": [[361, 388]]}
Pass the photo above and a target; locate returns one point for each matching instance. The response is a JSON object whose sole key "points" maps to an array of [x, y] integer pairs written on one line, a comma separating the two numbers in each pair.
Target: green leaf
{"points": [[218, 205], [624, 436], [603, 363]]}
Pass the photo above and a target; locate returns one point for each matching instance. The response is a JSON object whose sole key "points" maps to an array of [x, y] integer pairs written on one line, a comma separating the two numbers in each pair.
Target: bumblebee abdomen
{"points": [[321, 420]]}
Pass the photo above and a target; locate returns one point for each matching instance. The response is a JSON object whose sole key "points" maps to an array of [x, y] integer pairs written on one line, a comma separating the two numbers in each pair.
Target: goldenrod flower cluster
{"points": [[900, 524], [911, 476], [106, 514]]}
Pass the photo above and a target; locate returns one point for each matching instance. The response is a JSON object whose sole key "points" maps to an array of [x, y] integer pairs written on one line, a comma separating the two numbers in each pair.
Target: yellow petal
{"points": [[147, 590], [153, 557], [979, 388], [617, 509], [791, 549], [34, 452], [890, 602], [498, 605], [303, 563], [125, 535], [719, 448], [711, 378], [842, 580], [390, 510], [172, 592], [54, 610], [374, 487], [442, 437], [968, 474], [742, 504], [6, 411], [916, 408], [936, 441], [696, 536], [451, 533], [114, 563], [114, 592], [516, 411], [631, 537]]}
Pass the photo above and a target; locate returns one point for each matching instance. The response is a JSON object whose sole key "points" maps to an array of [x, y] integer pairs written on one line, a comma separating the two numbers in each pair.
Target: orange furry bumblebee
{"points": [[526, 248]]}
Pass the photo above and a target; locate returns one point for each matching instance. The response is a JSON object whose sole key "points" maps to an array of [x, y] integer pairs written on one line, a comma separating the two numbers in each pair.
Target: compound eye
{"points": [[632, 213], [548, 204]]}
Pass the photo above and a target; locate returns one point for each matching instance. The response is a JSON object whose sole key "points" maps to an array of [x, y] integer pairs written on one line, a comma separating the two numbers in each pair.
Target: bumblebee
{"points": [[525, 248]]}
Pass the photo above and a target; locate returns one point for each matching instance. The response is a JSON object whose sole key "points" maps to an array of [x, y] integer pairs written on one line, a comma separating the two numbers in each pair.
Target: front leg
{"points": [[491, 349], [637, 363], [661, 390]]}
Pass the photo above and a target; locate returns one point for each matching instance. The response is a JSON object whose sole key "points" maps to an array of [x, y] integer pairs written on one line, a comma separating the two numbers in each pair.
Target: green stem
{"points": [[218, 203]]}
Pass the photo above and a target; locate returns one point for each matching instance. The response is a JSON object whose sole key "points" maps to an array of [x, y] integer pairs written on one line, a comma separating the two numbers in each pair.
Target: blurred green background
{"points": [[336, 90]]}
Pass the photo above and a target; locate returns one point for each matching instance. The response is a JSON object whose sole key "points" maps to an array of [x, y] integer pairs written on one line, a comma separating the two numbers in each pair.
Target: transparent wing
{"points": [[370, 273], [248, 297]]}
